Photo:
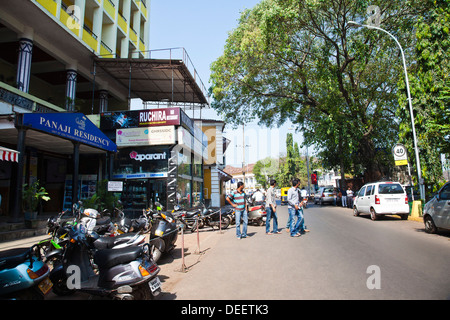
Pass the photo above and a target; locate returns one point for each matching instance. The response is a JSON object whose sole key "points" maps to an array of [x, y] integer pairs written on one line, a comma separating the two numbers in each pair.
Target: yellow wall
{"points": [[210, 132], [207, 183]]}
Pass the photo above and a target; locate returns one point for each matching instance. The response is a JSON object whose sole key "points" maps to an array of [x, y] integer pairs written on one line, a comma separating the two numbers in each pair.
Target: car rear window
{"points": [[391, 188], [328, 190]]}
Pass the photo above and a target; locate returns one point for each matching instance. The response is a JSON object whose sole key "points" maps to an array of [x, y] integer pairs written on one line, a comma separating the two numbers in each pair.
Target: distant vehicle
{"points": [[324, 195], [382, 198], [278, 193], [284, 192], [436, 212]]}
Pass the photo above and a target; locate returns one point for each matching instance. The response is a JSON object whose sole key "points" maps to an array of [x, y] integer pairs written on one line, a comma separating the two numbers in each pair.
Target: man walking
{"points": [[238, 200], [271, 209], [294, 204]]}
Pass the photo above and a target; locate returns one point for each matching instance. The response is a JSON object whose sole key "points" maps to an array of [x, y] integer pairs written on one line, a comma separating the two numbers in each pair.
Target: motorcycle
{"points": [[123, 274], [213, 218], [59, 231], [256, 214], [187, 219], [163, 234], [23, 275]]}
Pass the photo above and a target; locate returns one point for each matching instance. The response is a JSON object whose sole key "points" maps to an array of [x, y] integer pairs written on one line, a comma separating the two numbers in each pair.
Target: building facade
{"points": [[75, 57]]}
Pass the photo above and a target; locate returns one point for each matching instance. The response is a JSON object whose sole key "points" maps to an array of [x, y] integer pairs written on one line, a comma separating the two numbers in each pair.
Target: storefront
{"points": [[64, 151], [159, 159]]}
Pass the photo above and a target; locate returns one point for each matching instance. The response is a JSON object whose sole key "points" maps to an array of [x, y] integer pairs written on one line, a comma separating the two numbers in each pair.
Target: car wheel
{"points": [[430, 227], [404, 216], [355, 211], [373, 215]]}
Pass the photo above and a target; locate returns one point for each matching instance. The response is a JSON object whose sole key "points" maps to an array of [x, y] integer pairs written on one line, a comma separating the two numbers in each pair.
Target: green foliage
{"points": [[430, 87], [32, 195], [299, 60], [102, 199]]}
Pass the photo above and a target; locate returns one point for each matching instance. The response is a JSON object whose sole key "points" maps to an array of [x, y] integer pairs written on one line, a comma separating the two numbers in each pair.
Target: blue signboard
{"points": [[72, 126]]}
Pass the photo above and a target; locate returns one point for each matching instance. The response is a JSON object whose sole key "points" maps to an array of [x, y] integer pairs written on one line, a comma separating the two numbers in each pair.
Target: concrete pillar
{"points": [[103, 94], [71, 86], [24, 64]]}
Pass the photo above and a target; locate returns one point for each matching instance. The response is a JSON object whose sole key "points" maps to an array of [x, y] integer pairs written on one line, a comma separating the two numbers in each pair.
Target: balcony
{"points": [[50, 5], [24, 101]]}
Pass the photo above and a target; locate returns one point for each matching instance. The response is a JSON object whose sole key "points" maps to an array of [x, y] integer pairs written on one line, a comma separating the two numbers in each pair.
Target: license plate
{"points": [[392, 199], [45, 286], [154, 284]]}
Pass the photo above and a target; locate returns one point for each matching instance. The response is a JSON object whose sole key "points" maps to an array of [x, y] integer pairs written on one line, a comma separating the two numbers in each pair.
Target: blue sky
{"points": [[202, 27]]}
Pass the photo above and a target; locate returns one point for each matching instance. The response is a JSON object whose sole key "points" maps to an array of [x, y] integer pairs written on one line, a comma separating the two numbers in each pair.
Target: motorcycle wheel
{"points": [[156, 253], [225, 222]]}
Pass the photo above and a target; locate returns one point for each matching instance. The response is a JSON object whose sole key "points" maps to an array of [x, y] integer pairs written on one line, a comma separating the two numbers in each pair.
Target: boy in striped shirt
{"points": [[238, 200]]}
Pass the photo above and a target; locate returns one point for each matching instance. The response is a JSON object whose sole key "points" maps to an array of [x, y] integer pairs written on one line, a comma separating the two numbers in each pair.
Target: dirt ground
{"points": [[171, 264]]}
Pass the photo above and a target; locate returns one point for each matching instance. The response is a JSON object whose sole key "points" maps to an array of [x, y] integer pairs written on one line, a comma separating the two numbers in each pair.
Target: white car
{"points": [[381, 198]]}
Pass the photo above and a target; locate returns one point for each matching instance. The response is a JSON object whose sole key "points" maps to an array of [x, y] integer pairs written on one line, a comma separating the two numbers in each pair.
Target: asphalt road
{"points": [[336, 260]]}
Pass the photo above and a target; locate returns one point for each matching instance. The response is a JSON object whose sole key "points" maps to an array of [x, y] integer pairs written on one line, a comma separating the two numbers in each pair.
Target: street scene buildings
{"points": [[73, 71]]}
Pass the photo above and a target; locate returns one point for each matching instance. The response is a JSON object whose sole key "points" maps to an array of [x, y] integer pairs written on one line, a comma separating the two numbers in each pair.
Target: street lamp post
{"points": [[416, 149]]}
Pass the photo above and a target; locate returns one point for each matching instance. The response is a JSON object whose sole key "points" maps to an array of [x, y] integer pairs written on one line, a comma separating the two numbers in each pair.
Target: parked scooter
{"points": [[163, 234], [124, 274], [141, 224], [23, 275], [256, 214]]}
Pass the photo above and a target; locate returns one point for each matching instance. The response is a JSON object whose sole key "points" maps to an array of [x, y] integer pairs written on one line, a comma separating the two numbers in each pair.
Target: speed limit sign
{"points": [[400, 155]]}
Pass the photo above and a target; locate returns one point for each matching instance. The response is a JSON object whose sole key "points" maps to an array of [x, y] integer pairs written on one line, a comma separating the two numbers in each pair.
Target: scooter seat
{"points": [[110, 242], [13, 257], [109, 258], [102, 221]]}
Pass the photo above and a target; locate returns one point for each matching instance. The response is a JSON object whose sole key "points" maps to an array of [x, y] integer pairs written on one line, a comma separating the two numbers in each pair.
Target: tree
{"points": [[265, 169], [299, 60], [430, 91]]}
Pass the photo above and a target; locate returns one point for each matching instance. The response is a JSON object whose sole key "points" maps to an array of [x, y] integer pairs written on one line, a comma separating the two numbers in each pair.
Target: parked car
{"points": [[324, 195], [436, 212], [382, 198]]}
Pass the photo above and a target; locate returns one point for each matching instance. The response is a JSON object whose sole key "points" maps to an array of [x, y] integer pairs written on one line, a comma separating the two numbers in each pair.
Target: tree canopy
{"points": [[300, 60]]}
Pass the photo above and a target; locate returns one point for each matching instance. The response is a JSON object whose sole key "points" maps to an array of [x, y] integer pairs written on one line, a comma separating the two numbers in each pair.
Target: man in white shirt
{"points": [[258, 197], [271, 209]]}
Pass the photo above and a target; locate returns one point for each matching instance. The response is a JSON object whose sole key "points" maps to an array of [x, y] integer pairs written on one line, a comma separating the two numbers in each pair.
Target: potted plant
{"points": [[31, 196]]}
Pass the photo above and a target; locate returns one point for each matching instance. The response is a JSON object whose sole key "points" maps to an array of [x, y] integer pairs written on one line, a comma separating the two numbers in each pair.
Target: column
{"points": [[71, 86], [103, 94], [17, 178], [24, 64]]}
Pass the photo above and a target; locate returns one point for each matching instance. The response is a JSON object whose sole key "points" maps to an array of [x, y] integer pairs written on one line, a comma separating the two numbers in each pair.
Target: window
{"points": [[369, 190], [445, 193], [390, 188], [361, 192]]}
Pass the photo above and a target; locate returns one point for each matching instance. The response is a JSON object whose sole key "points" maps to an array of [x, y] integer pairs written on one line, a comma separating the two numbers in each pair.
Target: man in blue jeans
{"points": [[238, 200], [271, 209], [294, 207]]}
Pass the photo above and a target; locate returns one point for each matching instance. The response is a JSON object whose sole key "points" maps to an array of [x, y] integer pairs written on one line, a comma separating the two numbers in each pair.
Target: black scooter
{"points": [[123, 274], [163, 234]]}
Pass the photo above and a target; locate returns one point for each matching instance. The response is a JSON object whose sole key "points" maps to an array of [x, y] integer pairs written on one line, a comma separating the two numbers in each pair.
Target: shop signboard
{"points": [[72, 126], [141, 163], [140, 118], [145, 136]]}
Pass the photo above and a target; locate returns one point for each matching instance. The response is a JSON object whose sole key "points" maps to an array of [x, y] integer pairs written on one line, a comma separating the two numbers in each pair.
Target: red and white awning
{"points": [[9, 154]]}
